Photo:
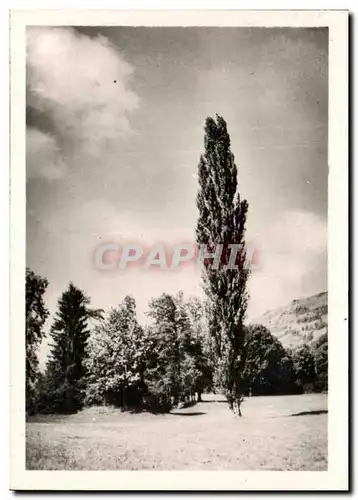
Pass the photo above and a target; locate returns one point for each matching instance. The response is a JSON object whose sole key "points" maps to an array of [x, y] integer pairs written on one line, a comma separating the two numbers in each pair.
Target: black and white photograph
{"points": [[184, 307]]}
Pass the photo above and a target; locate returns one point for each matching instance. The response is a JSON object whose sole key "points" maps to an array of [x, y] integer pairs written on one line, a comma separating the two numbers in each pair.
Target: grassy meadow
{"points": [[274, 433]]}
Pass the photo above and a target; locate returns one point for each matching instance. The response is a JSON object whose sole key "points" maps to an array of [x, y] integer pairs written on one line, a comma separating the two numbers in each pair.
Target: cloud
{"points": [[292, 255], [43, 156], [78, 91]]}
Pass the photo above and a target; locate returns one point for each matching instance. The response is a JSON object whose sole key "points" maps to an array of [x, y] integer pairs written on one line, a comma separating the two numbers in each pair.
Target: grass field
{"points": [[275, 433]]}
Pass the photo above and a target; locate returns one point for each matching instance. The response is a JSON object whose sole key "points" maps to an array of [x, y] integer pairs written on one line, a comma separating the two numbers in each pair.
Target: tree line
{"points": [[190, 346], [108, 358]]}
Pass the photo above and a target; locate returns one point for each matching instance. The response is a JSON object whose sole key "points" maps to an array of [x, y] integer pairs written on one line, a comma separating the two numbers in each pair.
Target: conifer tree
{"points": [[70, 331], [221, 221]]}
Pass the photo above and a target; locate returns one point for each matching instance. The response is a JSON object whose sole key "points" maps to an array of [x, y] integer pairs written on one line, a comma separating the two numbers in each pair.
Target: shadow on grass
{"points": [[188, 414], [213, 401], [313, 412]]}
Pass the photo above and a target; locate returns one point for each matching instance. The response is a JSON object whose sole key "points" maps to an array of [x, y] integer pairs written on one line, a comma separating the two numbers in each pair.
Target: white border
{"points": [[336, 478]]}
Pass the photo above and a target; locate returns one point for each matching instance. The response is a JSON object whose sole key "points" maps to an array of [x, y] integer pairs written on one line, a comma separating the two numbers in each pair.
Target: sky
{"points": [[115, 120]]}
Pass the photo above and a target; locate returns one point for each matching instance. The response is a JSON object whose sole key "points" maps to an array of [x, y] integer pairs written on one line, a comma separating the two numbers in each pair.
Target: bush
{"points": [[301, 310]]}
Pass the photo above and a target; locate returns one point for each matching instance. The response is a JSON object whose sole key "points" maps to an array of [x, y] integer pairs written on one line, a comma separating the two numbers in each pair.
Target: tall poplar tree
{"points": [[221, 221]]}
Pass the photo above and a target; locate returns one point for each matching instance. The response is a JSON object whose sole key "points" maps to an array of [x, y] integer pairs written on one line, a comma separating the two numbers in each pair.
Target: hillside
{"points": [[302, 321]]}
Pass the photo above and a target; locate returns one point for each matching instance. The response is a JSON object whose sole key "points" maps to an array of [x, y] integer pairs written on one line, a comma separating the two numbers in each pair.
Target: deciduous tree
{"points": [[221, 221], [36, 315], [116, 358]]}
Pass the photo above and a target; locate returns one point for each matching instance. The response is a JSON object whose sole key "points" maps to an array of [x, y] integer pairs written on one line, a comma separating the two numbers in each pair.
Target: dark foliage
{"points": [[65, 374], [221, 221], [268, 366], [36, 315]]}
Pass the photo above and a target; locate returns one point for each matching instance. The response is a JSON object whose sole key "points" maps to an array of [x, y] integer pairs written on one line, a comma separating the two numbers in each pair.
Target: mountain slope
{"points": [[304, 320]]}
